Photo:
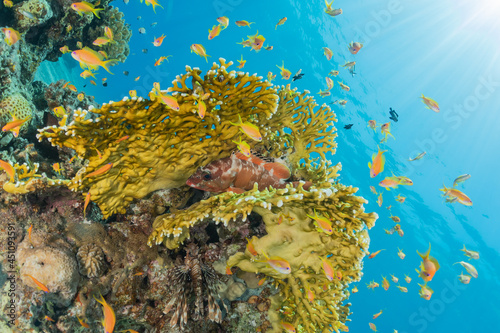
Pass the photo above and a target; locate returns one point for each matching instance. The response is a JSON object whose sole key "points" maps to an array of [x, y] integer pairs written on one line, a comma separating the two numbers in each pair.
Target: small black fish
{"points": [[144, 50], [105, 84], [297, 77], [352, 69], [125, 73], [348, 126], [394, 116]]}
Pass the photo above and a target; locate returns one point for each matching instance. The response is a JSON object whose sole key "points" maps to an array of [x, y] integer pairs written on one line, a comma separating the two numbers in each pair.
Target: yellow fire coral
{"points": [[26, 180], [153, 147], [296, 240]]}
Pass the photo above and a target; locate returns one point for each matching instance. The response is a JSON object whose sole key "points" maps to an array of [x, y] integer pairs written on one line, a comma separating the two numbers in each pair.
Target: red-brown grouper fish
{"points": [[238, 173]]}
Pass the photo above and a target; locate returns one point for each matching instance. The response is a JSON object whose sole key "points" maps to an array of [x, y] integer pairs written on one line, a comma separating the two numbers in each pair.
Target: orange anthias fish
{"points": [[328, 53], [389, 182], [277, 263], [158, 41], [39, 285], [109, 316], [285, 73], [287, 327], [86, 203], [243, 23], [11, 36], [29, 233], [214, 32], [249, 129], [377, 164], [375, 316], [242, 62], [15, 125], [372, 124], [280, 22], [91, 59], [459, 195], [239, 173], [82, 323], [199, 50], [168, 100], [400, 198], [324, 93], [243, 147], [327, 268], [329, 83], [401, 255], [49, 319], [385, 283], [425, 292], [386, 130], [380, 200], [255, 42], [343, 86], [373, 254], [100, 171], [251, 248], [354, 47], [372, 327], [322, 223], [224, 21], [428, 267], [85, 7], [152, 3], [372, 285], [430, 103]]}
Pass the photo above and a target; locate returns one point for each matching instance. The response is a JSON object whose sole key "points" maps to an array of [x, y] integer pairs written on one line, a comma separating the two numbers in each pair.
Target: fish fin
{"points": [[426, 254], [434, 260], [370, 165], [96, 11], [108, 63], [235, 190], [279, 170]]}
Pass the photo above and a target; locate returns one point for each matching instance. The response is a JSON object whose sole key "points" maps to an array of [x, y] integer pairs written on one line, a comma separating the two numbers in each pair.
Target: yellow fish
{"points": [[109, 316], [199, 50], [11, 36], [249, 129], [85, 7], [285, 73], [91, 59]]}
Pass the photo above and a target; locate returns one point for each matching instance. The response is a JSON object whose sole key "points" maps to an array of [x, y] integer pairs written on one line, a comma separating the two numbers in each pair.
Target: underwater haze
{"points": [[440, 51]]}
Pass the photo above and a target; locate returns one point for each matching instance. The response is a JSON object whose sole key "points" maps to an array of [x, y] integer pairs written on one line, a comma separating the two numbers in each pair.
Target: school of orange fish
{"points": [[90, 61]]}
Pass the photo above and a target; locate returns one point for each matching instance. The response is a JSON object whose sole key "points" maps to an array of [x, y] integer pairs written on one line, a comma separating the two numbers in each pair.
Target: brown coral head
{"points": [[213, 177]]}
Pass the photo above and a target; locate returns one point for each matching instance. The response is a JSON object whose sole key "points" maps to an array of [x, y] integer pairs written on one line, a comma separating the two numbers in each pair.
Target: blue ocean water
{"points": [[447, 50]]}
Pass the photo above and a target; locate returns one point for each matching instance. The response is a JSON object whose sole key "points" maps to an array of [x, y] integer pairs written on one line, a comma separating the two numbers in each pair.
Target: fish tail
{"points": [[108, 63], [96, 11], [426, 254], [239, 121]]}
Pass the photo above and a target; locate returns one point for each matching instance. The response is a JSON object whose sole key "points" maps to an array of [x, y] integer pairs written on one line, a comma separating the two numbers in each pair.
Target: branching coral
{"points": [[27, 180], [299, 129], [159, 147], [295, 240]]}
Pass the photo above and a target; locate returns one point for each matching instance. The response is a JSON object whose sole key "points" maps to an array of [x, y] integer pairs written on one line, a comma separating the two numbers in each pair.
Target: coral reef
{"points": [[51, 261], [15, 105], [91, 261], [296, 240], [112, 18], [203, 281], [163, 147]]}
